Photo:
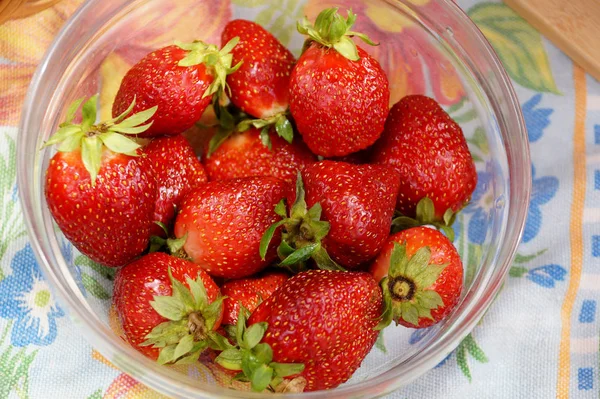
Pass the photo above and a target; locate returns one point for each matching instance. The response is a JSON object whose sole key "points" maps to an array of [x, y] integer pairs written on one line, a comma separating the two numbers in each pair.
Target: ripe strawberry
{"points": [[169, 308], [260, 87], [358, 158], [250, 292], [180, 80], [223, 222], [322, 319], [100, 193], [342, 211], [421, 276], [245, 154], [429, 151], [339, 94], [177, 171]]}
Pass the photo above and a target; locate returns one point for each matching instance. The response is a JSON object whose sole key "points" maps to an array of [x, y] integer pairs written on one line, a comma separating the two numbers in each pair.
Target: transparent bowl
{"points": [[427, 47]]}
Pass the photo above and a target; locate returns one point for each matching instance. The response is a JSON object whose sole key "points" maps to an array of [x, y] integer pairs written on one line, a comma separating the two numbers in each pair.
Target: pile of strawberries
{"points": [[298, 237]]}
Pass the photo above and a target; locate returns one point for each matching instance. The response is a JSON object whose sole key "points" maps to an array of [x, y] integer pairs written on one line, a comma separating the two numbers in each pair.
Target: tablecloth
{"points": [[538, 340]]}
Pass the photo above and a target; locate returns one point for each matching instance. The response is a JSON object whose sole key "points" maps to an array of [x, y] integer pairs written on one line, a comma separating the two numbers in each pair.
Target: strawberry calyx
{"points": [[254, 360], [190, 326], [91, 137], [217, 61], [282, 125], [232, 120], [407, 292], [303, 231], [173, 245], [333, 31], [228, 118], [425, 215]]}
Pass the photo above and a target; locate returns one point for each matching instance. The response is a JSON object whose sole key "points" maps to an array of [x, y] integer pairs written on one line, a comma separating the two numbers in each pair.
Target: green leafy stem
{"points": [[468, 346], [518, 270], [11, 222], [14, 368], [92, 280]]}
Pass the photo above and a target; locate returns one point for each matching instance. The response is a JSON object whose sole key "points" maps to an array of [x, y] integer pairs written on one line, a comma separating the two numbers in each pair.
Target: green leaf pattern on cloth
{"points": [[468, 347], [96, 279], [278, 17], [96, 395], [11, 222], [14, 367], [518, 45]]}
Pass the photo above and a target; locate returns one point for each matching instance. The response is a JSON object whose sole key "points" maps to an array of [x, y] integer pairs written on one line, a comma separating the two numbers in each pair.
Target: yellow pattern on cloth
{"points": [[22, 44]]}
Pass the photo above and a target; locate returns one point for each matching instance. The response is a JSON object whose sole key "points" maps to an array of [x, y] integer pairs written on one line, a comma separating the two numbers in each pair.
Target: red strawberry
{"points": [[177, 171], [429, 151], [100, 193], [358, 158], [260, 87], [421, 275], [320, 324], [342, 208], [169, 308], [250, 292], [245, 154], [223, 223], [339, 94], [178, 79]]}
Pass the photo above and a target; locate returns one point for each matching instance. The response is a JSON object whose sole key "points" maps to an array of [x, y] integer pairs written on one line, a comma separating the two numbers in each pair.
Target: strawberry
{"points": [[421, 275], [429, 150], [177, 171], [342, 213], [339, 94], [249, 292], [260, 87], [180, 79], [99, 191], [245, 154], [319, 323], [359, 158], [222, 223], [169, 308]]}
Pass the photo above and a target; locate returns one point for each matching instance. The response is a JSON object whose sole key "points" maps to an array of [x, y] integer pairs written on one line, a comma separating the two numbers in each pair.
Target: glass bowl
{"points": [[426, 46]]}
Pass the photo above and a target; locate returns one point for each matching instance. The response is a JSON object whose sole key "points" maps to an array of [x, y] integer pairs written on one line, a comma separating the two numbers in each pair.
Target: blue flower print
{"points": [[421, 333], [66, 248], [482, 202], [547, 276], [458, 227], [26, 297], [542, 191], [444, 360], [536, 119], [417, 335]]}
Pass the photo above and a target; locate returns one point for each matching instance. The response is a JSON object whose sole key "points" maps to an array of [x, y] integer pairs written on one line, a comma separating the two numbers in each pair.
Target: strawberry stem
{"points": [[407, 292], [425, 215], [92, 138], [171, 245], [197, 326], [282, 125], [401, 288], [190, 325], [229, 119], [333, 31], [217, 61], [254, 360], [303, 231]]}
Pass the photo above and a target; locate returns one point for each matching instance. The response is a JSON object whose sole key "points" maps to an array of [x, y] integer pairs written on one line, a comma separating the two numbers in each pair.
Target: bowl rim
{"points": [[157, 378]]}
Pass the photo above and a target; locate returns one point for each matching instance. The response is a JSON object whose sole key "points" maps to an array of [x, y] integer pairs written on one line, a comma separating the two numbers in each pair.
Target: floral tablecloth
{"points": [[540, 338]]}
